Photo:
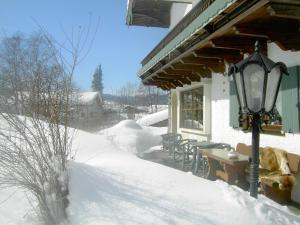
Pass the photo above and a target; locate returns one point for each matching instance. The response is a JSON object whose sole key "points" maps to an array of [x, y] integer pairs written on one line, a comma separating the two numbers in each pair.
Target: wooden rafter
{"points": [[200, 61], [169, 83], [177, 72], [173, 81], [177, 83], [182, 79], [202, 70], [286, 35], [160, 83], [243, 43], [188, 67], [267, 21], [192, 76], [229, 55], [284, 10], [214, 64]]}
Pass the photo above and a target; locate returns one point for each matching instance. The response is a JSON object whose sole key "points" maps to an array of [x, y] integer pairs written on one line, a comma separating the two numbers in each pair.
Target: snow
{"points": [[88, 97], [15, 207], [110, 184], [154, 118]]}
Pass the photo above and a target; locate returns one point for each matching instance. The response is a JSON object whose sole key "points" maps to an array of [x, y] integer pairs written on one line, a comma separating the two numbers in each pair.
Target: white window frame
{"points": [[206, 84]]}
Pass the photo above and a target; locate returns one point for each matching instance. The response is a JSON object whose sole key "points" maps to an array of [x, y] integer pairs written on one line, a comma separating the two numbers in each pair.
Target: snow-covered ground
{"points": [[110, 185]]}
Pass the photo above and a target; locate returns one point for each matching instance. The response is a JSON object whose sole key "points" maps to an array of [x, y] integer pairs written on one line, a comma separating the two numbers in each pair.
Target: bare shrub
{"points": [[36, 100]]}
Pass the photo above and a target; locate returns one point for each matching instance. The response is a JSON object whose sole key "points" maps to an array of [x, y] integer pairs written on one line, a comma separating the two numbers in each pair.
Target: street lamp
{"points": [[257, 81]]}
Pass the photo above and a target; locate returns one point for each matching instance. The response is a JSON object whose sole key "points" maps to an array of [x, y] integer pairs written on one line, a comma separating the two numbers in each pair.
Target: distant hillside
{"points": [[139, 100]]}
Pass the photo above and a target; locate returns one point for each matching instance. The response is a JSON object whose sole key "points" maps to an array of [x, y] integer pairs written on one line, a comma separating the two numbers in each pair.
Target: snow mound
{"points": [[88, 97], [133, 138], [153, 118], [128, 124]]}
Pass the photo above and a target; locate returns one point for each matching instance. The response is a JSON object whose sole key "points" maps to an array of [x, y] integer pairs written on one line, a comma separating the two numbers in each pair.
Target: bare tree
{"points": [[150, 95], [36, 107]]}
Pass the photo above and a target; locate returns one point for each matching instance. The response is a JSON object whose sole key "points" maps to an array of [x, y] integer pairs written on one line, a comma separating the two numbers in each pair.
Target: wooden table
{"points": [[197, 148], [228, 169]]}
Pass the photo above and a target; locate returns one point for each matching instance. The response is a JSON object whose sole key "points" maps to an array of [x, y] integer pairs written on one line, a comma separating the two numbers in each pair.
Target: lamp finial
{"points": [[257, 46]]}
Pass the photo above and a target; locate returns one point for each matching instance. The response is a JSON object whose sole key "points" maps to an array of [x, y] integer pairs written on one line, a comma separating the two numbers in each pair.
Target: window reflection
{"points": [[192, 109]]}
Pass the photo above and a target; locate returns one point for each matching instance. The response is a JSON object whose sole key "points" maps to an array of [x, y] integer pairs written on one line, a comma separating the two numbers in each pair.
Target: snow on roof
{"points": [[153, 118], [88, 97]]}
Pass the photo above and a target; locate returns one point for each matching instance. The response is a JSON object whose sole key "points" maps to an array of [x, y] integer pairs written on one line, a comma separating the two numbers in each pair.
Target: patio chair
{"points": [[173, 143], [186, 149], [165, 141], [183, 152], [168, 141]]}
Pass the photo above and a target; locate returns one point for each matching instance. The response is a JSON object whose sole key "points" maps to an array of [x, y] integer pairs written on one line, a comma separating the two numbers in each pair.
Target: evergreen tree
{"points": [[97, 84]]}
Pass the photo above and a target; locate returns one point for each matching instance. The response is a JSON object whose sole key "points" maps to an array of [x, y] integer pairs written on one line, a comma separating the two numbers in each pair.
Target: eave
{"points": [[148, 13], [222, 38]]}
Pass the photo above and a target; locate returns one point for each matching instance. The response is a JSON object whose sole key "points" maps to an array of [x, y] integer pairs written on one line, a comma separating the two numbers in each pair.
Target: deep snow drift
{"points": [[110, 185], [153, 118]]}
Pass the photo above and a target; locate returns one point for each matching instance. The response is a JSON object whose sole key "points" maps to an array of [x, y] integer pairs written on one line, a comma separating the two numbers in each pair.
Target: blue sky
{"points": [[117, 47]]}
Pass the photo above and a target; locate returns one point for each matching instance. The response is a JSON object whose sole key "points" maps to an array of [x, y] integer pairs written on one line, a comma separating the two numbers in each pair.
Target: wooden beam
{"points": [[160, 83], [229, 55], [221, 31], [286, 35], [176, 82], [188, 75], [172, 84], [263, 28], [247, 33], [200, 61], [188, 67], [214, 64], [199, 69], [284, 10], [164, 88], [243, 43], [177, 72], [167, 77]]}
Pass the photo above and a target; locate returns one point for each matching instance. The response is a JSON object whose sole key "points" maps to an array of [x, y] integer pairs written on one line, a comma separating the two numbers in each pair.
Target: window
{"points": [[191, 109]]}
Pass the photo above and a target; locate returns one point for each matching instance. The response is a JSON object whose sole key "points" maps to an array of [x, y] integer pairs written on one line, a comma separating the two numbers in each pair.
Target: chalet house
{"points": [[87, 109], [191, 61], [89, 104]]}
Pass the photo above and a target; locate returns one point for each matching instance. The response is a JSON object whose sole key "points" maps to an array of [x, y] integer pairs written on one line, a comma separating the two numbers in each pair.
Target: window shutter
{"points": [[234, 106], [290, 100]]}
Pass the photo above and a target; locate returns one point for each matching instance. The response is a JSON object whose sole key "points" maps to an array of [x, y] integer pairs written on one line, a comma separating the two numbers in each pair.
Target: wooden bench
{"points": [[272, 189]]}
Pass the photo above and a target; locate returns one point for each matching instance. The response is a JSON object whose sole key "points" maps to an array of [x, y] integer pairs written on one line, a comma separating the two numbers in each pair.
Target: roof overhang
{"points": [[148, 13], [151, 13], [217, 32]]}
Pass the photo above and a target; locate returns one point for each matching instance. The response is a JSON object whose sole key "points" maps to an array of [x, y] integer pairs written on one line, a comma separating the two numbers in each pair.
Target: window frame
{"points": [[192, 107]]}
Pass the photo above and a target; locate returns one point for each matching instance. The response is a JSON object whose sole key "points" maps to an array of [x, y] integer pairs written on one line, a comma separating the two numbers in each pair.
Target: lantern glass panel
{"points": [[238, 81], [272, 86], [254, 84]]}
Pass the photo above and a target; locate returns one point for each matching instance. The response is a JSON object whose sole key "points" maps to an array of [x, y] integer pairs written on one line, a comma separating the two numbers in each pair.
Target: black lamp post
{"points": [[257, 81]]}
